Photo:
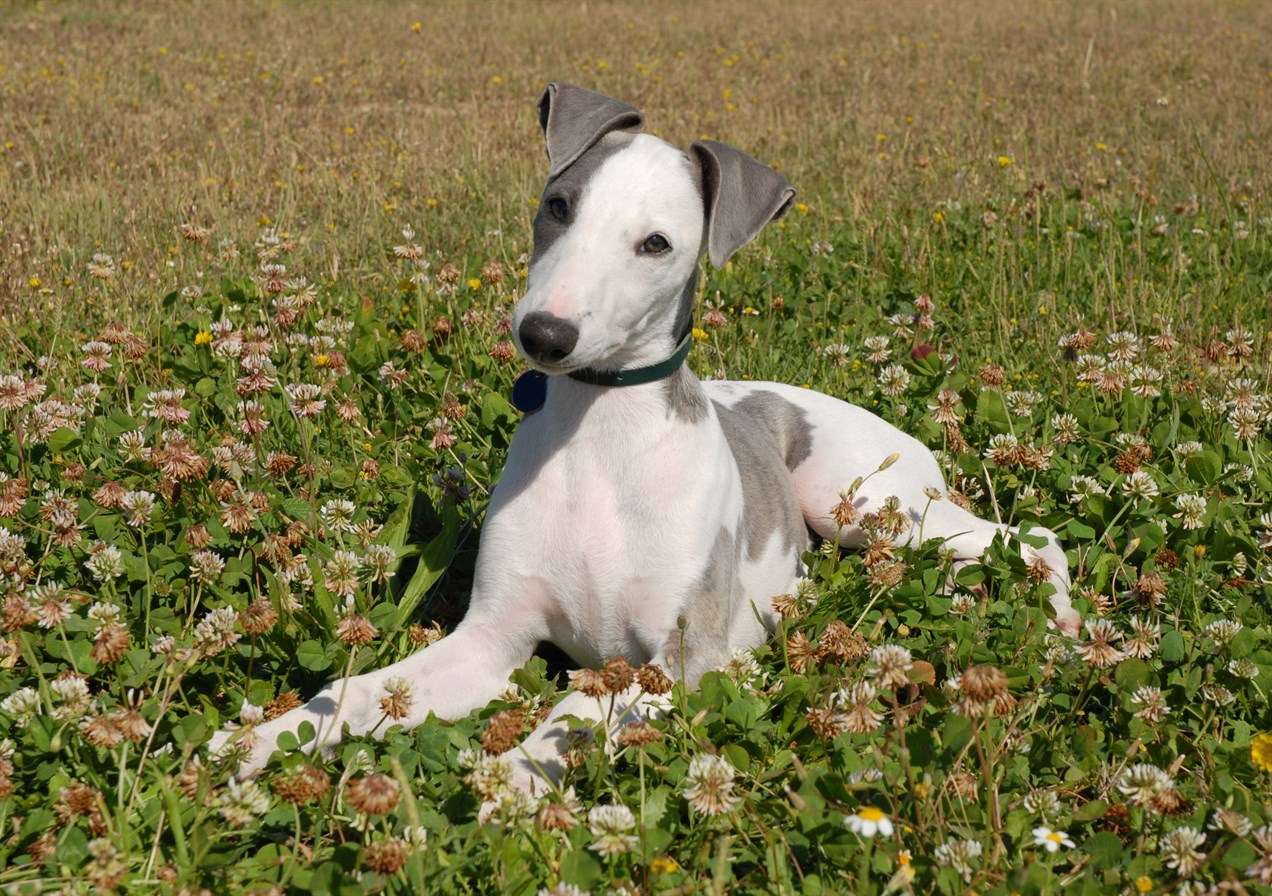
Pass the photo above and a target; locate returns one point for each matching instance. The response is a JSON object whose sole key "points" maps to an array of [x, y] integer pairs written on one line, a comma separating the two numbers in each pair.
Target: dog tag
{"points": [[530, 391]]}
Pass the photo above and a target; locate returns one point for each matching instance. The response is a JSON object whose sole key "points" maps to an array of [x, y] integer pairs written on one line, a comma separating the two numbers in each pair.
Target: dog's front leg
{"points": [[450, 679]]}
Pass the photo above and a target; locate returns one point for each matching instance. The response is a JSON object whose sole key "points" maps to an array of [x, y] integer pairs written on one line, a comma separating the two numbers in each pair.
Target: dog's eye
{"points": [[558, 208], [655, 244]]}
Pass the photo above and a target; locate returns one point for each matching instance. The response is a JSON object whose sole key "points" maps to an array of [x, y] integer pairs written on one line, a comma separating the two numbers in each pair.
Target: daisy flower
{"points": [[1051, 840], [869, 821]]}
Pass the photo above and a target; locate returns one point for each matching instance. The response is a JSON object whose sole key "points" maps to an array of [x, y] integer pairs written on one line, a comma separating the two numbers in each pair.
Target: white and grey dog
{"points": [[643, 513]]}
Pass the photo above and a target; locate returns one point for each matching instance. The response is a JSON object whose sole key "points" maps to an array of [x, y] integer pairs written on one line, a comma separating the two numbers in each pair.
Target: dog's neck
{"points": [[676, 398], [636, 376]]}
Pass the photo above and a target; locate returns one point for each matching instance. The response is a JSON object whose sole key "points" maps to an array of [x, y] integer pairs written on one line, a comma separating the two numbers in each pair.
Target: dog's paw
{"points": [[239, 749]]}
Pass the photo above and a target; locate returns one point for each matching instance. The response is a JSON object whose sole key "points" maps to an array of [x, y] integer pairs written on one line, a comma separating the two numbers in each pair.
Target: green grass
{"points": [[1038, 172]]}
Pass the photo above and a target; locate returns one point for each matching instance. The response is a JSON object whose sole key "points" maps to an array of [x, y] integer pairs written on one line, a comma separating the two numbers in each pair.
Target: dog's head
{"points": [[620, 228]]}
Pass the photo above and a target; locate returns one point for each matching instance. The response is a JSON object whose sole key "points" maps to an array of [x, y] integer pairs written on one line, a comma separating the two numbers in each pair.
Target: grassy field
{"points": [[209, 211]]}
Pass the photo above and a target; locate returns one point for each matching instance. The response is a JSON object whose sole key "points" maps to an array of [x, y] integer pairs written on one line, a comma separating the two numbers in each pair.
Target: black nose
{"points": [[546, 337]]}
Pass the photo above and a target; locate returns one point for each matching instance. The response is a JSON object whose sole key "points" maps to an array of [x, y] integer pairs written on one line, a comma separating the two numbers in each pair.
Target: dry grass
{"points": [[341, 122]]}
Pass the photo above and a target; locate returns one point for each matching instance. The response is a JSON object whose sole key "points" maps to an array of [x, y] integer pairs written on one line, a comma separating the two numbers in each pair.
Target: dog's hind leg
{"points": [[968, 536], [847, 444]]}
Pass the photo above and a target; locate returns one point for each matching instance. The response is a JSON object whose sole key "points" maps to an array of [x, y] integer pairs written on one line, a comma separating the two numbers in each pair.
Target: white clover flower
{"points": [[487, 775], [1090, 368], [512, 807], [890, 666], [216, 631], [1222, 631], [1230, 820], [837, 352], [1066, 428], [877, 350], [251, 714], [71, 697], [1123, 346], [1181, 850], [1142, 781], [1043, 803], [1191, 509], [1083, 487], [893, 380], [710, 785], [1022, 403], [206, 567], [611, 828], [961, 855], [1186, 450], [743, 668], [379, 560], [340, 573], [563, 889], [22, 704], [105, 563], [1246, 423], [14, 545], [1002, 447], [104, 614], [1243, 668], [1140, 485], [242, 802], [337, 514], [1146, 381], [1152, 703], [305, 399]]}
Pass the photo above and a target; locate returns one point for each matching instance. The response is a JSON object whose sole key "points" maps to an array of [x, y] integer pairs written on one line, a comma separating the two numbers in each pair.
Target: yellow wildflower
{"points": [[203, 337], [1261, 751], [664, 865]]}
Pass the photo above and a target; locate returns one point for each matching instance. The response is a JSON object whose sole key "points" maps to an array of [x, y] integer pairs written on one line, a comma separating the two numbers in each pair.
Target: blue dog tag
{"points": [[530, 391]]}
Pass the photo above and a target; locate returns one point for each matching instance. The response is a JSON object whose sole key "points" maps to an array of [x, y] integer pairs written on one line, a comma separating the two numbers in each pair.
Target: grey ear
{"points": [[741, 196], [573, 119]]}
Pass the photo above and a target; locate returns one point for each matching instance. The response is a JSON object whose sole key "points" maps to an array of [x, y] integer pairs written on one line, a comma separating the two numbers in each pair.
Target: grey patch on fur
{"points": [[785, 423], [764, 434], [685, 398], [704, 643], [570, 186]]}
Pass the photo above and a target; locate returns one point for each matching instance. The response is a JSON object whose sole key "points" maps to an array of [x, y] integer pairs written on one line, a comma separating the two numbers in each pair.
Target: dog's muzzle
{"points": [[547, 338]]}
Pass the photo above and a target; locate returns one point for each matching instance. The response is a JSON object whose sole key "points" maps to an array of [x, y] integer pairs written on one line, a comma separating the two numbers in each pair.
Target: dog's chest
{"points": [[616, 522]]}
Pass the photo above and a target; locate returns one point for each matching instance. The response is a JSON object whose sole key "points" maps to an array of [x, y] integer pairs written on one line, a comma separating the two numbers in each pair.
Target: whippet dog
{"points": [[643, 513]]}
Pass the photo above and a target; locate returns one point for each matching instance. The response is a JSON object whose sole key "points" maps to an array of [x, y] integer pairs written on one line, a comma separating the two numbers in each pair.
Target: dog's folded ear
{"points": [[574, 119], [740, 194]]}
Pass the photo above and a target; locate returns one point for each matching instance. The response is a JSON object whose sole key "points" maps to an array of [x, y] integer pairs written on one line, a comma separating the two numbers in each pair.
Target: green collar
{"points": [[637, 375], [530, 390]]}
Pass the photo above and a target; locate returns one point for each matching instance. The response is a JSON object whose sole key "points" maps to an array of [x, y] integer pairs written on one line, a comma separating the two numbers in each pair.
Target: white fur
{"points": [[610, 504]]}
